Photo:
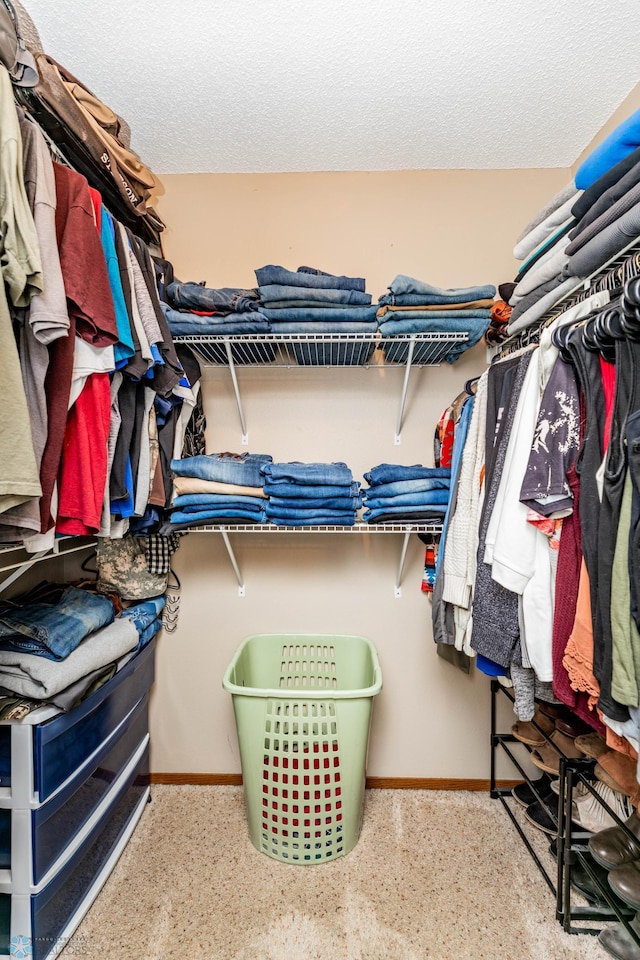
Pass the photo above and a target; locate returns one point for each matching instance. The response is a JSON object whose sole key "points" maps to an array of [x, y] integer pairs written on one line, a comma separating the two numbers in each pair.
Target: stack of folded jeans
{"points": [[406, 493], [218, 488], [192, 309], [146, 617], [311, 494], [311, 302], [413, 306]]}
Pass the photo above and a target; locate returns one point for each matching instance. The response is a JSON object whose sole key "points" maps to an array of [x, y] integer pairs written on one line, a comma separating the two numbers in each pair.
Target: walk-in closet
{"points": [[319, 481]]}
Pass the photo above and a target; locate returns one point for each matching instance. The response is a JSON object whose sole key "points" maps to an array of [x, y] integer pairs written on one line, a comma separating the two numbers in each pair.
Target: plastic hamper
{"points": [[303, 706]]}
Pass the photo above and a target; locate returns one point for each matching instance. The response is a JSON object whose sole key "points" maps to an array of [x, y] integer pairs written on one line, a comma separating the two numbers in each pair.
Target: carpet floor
{"points": [[437, 875]]}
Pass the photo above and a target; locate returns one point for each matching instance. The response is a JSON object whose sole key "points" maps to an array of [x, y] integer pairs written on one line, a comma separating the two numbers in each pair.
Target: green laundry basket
{"points": [[303, 707]]}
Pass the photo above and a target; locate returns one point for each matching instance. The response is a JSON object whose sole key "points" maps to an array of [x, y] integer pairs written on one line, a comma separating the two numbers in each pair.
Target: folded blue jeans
{"points": [[316, 520], [194, 296], [403, 511], [149, 633], [309, 474], [403, 284], [434, 319], [427, 497], [54, 630], [330, 314], [192, 502], [392, 472], [189, 324], [300, 491], [181, 516], [307, 277], [242, 468], [399, 487], [300, 513], [314, 503], [314, 328], [277, 291]]}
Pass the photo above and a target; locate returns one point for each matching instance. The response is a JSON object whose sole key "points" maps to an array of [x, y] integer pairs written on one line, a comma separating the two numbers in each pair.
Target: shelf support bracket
{"points": [[234, 562], [405, 384], [236, 390], [403, 553]]}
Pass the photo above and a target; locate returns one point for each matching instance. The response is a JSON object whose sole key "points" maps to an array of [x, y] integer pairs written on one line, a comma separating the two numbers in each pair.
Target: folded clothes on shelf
{"points": [[244, 469], [226, 300], [400, 492], [307, 277], [293, 482], [183, 324]]}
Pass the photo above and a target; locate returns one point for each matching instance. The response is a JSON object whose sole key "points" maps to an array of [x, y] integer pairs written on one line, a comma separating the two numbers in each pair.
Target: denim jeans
{"points": [[316, 520], [428, 497], [312, 491], [195, 502], [277, 291], [474, 327], [211, 515], [434, 319], [334, 314], [309, 474], [317, 327], [314, 503], [403, 512], [408, 285], [392, 472], [308, 304], [299, 513], [54, 630], [143, 614], [194, 296], [397, 488], [190, 324], [303, 277], [240, 468]]}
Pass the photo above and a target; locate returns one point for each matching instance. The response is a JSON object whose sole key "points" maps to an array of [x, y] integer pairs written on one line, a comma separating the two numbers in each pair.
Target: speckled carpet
{"points": [[437, 875]]}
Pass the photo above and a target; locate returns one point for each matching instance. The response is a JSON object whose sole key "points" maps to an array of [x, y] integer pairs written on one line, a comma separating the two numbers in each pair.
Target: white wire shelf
{"points": [[400, 527], [359, 527], [346, 350], [322, 350]]}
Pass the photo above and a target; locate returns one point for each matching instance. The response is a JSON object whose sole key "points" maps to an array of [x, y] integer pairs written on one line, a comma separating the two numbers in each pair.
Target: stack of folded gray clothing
{"points": [[217, 488], [414, 306], [310, 494], [63, 641], [310, 302], [586, 224], [406, 493]]}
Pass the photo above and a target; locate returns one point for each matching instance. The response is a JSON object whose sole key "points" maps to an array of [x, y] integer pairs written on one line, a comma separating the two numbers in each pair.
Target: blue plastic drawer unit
{"points": [[62, 744], [72, 788]]}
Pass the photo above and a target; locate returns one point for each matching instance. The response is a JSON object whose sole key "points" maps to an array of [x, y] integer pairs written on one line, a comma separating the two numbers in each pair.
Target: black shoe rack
{"points": [[572, 845]]}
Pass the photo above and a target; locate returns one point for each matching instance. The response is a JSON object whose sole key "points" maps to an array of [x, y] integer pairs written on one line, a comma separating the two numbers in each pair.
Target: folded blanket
{"points": [[39, 678]]}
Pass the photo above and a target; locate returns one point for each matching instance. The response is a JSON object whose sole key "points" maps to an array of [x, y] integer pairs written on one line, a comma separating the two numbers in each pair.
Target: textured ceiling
{"points": [[284, 85]]}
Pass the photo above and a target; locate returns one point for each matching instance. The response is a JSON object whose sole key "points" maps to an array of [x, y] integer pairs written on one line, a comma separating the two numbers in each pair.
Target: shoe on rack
{"points": [[552, 710], [592, 745], [548, 759], [611, 847], [619, 772], [538, 816], [582, 881], [625, 882], [617, 941], [589, 812], [526, 732], [525, 795]]}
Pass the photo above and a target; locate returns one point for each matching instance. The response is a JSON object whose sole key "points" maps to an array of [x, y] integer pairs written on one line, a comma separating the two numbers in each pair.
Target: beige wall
{"points": [[450, 228]]}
